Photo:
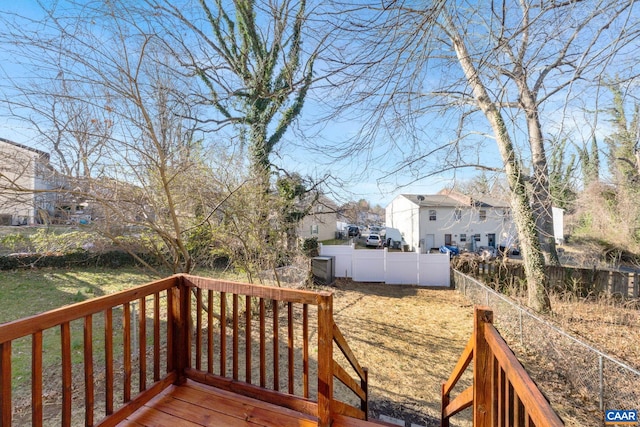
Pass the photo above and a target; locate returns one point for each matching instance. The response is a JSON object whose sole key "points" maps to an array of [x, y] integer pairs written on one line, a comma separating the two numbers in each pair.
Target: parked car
{"points": [[353, 231], [373, 240]]}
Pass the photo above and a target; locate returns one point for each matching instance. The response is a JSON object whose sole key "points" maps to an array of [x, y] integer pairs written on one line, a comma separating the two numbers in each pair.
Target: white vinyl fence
{"points": [[393, 268]]}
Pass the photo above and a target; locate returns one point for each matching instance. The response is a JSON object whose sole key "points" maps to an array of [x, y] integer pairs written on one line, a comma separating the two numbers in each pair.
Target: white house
{"points": [[450, 218], [26, 178]]}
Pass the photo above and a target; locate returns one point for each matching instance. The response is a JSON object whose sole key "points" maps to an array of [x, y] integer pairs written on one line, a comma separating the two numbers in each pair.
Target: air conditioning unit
{"points": [[323, 269]]}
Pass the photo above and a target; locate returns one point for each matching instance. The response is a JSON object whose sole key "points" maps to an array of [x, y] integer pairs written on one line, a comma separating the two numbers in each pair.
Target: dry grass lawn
{"points": [[410, 339]]}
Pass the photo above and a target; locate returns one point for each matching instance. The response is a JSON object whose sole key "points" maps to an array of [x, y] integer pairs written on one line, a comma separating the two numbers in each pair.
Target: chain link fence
{"points": [[583, 376]]}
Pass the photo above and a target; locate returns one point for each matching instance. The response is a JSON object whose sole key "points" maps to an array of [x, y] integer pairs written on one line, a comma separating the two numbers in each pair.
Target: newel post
{"points": [[482, 369], [179, 302], [325, 358]]}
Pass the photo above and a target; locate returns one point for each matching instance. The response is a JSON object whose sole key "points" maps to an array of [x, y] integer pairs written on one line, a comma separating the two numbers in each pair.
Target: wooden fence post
{"points": [[325, 358], [482, 369]]}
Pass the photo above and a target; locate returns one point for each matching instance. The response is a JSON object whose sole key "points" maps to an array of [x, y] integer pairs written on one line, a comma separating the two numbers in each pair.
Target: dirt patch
{"points": [[410, 338]]}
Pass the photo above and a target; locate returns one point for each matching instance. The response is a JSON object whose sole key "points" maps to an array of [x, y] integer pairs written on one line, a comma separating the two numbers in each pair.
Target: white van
{"points": [[392, 238]]}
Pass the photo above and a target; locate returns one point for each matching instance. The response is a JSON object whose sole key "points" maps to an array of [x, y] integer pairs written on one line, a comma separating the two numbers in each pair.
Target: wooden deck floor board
{"points": [[193, 404]]}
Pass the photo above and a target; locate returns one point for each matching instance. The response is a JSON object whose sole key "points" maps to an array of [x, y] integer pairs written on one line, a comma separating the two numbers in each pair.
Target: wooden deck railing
{"points": [[268, 370], [100, 360], [502, 393]]}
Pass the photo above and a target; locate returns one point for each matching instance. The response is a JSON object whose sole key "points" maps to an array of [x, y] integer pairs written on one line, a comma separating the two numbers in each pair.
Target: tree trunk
{"points": [[534, 263], [540, 194]]}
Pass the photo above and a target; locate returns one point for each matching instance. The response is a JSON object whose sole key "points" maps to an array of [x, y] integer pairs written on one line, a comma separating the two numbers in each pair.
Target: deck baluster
{"points": [[36, 379], [247, 334], [88, 370], [142, 344], [126, 342], [65, 349]]}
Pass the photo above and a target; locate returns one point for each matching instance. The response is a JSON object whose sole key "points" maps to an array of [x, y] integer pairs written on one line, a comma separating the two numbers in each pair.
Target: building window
{"points": [[457, 214], [483, 215], [476, 237], [314, 229], [432, 214], [463, 237]]}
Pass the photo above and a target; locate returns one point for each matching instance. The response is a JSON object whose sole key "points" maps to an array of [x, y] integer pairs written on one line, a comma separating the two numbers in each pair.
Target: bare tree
{"points": [[251, 59], [133, 99], [108, 101], [516, 65], [254, 61]]}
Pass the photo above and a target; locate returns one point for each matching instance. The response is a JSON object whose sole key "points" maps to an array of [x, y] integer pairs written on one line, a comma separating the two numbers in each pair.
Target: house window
{"points": [[483, 215], [476, 237], [457, 214], [432, 214], [314, 229], [463, 237]]}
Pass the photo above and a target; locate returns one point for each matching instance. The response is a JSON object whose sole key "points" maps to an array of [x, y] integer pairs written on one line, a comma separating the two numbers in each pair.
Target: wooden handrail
{"points": [[528, 393], [267, 292], [461, 366], [464, 399], [328, 334], [361, 389], [502, 393], [30, 325]]}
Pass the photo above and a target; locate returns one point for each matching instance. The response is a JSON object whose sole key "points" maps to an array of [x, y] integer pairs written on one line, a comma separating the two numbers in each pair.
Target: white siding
{"points": [[417, 225], [403, 214], [469, 224], [558, 225]]}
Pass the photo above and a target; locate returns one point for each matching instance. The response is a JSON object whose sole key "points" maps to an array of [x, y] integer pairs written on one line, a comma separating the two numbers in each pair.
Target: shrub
{"points": [[111, 259], [310, 247]]}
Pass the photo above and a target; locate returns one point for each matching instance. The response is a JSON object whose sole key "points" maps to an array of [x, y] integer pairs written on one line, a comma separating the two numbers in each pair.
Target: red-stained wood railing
{"points": [[252, 340], [502, 393], [98, 325], [269, 331]]}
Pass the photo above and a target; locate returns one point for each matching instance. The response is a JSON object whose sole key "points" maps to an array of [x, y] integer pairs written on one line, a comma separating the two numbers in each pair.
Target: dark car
{"points": [[353, 231]]}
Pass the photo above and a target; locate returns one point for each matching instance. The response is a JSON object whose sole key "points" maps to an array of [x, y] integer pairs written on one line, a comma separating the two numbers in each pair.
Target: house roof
{"points": [[434, 200], [453, 199], [24, 147]]}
